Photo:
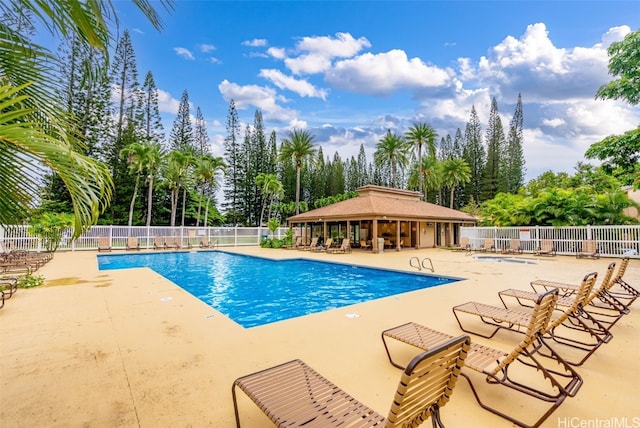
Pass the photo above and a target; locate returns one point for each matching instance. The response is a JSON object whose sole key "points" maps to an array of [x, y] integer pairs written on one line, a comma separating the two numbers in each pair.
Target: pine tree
{"points": [[234, 158], [515, 157], [151, 120], [127, 128], [493, 180], [363, 175], [201, 137], [474, 155], [181, 136], [85, 95]]}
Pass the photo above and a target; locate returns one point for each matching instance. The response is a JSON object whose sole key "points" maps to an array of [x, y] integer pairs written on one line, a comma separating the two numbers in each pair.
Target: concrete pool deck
{"points": [[128, 348]]}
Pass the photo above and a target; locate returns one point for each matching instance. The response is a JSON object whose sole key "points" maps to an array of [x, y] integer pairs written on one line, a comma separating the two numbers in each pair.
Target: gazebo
{"points": [[383, 217]]}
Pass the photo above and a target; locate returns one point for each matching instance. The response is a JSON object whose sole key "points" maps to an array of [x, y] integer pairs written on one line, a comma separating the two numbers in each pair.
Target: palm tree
{"points": [[454, 172], [135, 155], [270, 188], [392, 150], [430, 172], [36, 131], [297, 147], [154, 159], [417, 135], [206, 168], [176, 172]]}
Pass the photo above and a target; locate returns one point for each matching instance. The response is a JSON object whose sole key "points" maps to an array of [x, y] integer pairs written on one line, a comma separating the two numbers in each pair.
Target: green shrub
{"points": [[30, 281]]}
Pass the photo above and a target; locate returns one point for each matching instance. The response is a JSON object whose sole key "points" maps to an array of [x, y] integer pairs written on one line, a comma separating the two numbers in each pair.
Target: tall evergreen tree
{"points": [[181, 136], [235, 161], [127, 129], [201, 138], [85, 96], [151, 120], [363, 174], [493, 180], [474, 155], [515, 157]]}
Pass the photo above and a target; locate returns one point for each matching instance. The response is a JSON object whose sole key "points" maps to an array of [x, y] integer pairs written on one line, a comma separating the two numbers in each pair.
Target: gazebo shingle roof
{"points": [[377, 201]]}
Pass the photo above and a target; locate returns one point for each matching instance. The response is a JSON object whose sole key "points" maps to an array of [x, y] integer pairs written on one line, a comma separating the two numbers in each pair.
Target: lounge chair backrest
{"points": [[103, 241], [589, 246], [542, 311], [514, 244], [623, 267], [606, 282], [546, 245], [159, 241], [329, 242], [488, 242], [132, 241], [579, 300], [464, 242], [314, 242], [427, 383]]}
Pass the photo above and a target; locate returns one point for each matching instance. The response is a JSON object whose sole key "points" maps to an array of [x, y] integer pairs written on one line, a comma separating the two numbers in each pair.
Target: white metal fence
{"points": [[18, 237], [612, 241]]}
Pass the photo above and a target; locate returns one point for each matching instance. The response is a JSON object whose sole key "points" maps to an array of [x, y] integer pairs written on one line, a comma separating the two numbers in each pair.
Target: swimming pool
{"points": [[254, 291]]}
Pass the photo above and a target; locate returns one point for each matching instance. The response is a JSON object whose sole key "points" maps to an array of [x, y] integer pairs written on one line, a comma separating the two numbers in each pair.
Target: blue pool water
{"points": [[253, 291]]}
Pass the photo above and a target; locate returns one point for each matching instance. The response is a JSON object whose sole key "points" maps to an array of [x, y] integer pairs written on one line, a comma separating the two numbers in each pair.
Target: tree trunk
{"points": [[133, 199], [150, 200]]}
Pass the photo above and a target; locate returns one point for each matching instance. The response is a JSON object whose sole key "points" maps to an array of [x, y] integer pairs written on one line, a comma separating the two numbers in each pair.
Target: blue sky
{"points": [[349, 70]]}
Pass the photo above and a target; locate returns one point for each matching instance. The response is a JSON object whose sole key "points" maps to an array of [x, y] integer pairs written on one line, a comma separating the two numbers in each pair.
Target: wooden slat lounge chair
{"points": [[158, 243], [589, 250], [546, 248], [622, 290], [132, 243], [499, 317], [313, 244], [345, 247], [366, 245], [514, 247], [294, 395], [489, 245], [171, 242], [464, 244], [323, 247], [520, 370], [295, 245], [204, 242], [574, 316], [104, 243], [607, 309]]}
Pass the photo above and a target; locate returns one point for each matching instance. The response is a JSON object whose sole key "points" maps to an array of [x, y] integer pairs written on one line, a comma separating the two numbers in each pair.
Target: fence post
{"points": [[589, 231]]}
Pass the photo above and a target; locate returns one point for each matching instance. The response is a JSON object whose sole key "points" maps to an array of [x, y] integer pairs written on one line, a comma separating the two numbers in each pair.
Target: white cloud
{"points": [[277, 53], [316, 53], [261, 97], [341, 46], [206, 48], [184, 53], [614, 34], [384, 73], [166, 103], [533, 65], [255, 43], [554, 122], [301, 87]]}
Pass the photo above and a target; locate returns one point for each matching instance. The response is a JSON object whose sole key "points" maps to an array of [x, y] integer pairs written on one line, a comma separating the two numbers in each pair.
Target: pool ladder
{"points": [[421, 264]]}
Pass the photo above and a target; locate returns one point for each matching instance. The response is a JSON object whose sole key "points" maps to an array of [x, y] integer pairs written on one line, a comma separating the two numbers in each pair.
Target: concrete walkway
{"points": [[107, 349]]}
